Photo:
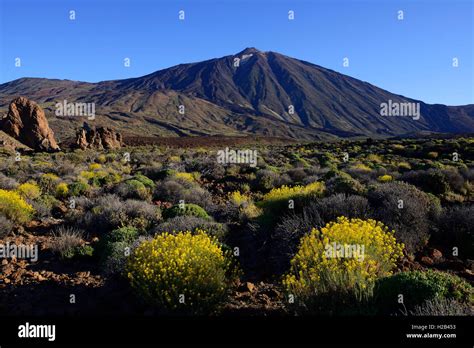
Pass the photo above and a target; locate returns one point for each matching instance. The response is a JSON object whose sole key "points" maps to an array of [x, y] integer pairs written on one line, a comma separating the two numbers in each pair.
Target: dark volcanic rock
{"points": [[27, 123]]}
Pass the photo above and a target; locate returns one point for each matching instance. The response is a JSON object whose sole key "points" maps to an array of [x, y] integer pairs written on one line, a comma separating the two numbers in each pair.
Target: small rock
{"points": [[250, 287], [4, 262], [427, 261], [436, 255]]}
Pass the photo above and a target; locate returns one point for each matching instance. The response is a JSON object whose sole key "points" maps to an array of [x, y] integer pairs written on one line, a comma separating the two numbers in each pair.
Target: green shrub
{"points": [[78, 188], [188, 209], [114, 246], [133, 189], [344, 183], [123, 234], [419, 286], [433, 180], [192, 223], [48, 182], [405, 209], [456, 229], [147, 182]]}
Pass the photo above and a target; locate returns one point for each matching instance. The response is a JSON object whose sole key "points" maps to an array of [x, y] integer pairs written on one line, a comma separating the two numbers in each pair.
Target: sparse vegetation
{"points": [[275, 219]]}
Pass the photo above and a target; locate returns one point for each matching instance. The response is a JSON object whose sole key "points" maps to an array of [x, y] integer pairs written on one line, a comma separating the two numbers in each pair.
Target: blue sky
{"points": [[412, 57]]}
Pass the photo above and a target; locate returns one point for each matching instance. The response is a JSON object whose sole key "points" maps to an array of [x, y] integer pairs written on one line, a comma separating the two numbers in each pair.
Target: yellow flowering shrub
{"points": [[14, 207], [185, 176], [320, 267], [285, 193], [29, 190], [361, 167], [62, 190], [95, 166], [385, 178], [238, 198], [183, 271], [404, 165], [398, 147], [101, 159], [373, 158], [247, 207], [88, 175]]}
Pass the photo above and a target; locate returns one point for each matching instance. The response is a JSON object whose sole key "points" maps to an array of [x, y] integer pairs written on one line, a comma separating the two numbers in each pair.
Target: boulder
{"points": [[98, 138], [27, 123]]}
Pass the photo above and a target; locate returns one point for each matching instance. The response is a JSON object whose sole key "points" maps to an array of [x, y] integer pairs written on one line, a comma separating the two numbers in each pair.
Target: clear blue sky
{"points": [[412, 57]]}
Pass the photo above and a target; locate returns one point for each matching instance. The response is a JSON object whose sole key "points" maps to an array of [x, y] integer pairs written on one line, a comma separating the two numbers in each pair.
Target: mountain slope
{"points": [[254, 97]]}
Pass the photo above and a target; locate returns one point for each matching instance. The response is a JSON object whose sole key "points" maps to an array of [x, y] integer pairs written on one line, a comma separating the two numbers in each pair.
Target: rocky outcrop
{"points": [[27, 123], [98, 138], [10, 143]]}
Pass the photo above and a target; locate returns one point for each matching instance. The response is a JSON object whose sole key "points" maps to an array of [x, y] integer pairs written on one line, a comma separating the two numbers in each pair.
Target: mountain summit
{"points": [[251, 92]]}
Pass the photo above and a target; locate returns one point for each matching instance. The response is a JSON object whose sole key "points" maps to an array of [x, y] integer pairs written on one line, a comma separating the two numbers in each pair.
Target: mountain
{"points": [[254, 97]]}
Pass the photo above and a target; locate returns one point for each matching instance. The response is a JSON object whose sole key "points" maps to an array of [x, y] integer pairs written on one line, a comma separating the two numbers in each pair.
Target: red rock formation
{"points": [[27, 123], [100, 138]]}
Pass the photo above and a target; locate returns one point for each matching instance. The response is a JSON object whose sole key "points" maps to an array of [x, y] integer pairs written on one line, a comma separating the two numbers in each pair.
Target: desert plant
{"points": [[44, 205], [29, 190], [189, 209], [456, 230], [323, 264], [192, 224], [48, 182], [432, 180], [385, 178], [7, 183], [147, 182], [244, 204], [115, 248], [174, 191], [442, 307], [109, 212], [405, 209], [344, 183], [62, 190], [132, 189], [279, 200], [182, 272], [78, 188], [419, 286], [6, 226], [269, 179], [14, 207], [67, 243]]}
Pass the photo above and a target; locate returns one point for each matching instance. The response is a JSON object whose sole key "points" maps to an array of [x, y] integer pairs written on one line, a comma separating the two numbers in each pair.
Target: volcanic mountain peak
{"points": [[260, 92], [249, 50]]}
